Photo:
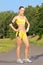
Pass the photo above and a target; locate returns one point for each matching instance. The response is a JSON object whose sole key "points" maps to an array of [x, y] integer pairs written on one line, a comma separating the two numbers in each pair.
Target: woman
{"points": [[20, 19]]}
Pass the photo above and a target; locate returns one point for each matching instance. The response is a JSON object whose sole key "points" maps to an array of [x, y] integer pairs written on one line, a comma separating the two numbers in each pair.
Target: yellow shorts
{"points": [[21, 34]]}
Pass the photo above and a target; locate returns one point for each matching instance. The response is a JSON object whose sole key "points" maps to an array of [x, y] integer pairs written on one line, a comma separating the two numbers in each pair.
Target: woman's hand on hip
{"points": [[17, 30]]}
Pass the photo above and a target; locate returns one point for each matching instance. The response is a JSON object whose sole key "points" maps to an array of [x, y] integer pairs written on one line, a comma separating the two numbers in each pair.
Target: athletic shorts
{"points": [[21, 34]]}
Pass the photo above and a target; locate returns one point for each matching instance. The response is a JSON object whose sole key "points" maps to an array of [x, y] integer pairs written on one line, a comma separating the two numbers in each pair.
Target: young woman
{"points": [[20, 19]]}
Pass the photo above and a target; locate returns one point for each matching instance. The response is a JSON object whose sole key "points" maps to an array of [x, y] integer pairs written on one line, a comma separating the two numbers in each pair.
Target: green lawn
{"points": [[6, 45], [33, 40]]}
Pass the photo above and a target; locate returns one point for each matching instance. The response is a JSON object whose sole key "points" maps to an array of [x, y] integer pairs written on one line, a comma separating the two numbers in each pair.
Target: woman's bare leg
{"points": [[25, 40], [19, 41]]}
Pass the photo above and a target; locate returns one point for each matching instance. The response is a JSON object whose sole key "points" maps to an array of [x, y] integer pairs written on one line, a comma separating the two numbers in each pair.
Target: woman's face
{"points": [[21, 11]]}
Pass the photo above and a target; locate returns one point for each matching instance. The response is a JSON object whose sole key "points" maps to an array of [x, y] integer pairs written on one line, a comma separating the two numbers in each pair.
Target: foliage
{"points": [[34, 16]]}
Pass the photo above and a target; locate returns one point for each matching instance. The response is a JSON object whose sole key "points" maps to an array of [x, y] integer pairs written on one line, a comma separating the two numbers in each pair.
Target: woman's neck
{"points": [[20, 15]]}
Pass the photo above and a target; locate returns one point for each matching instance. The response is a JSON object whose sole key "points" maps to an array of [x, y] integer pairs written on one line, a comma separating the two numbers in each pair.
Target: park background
{"points": [[34, 14]]}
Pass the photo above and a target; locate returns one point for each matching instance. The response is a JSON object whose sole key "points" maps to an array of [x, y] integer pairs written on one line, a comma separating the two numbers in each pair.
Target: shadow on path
{"points": [[36, 57], [14, 61]]}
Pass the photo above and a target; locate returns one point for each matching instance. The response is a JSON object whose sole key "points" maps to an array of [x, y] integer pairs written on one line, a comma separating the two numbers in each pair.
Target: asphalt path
{"points": [[35, 54]]}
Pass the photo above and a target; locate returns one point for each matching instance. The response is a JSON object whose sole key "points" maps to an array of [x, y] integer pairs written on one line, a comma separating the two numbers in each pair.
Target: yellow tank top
{"points": [[20, 21]]}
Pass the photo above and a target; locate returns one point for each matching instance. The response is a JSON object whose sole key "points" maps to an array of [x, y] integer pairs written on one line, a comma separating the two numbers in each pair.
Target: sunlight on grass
{"points": [[6, 45], [33, 40]]}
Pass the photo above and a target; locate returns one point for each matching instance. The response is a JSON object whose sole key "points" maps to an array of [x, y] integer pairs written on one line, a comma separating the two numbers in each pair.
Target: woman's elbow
{"points": [[10, 24]]}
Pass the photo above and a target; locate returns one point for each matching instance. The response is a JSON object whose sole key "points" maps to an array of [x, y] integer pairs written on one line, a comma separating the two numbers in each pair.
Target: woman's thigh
{"points": [[18, 41], [26, 42]]}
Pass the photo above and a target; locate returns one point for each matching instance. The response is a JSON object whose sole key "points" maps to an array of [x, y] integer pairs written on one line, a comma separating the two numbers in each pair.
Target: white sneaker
{"points": [[19, 61], [27, 60]]}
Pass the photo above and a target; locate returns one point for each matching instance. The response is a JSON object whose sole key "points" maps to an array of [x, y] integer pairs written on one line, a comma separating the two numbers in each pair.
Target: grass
{"points": [[33, 40], [6, 45]]}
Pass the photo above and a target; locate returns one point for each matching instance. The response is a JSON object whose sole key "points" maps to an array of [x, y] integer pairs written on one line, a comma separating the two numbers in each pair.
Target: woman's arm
{"points": [[14, 19], [28, 24]]}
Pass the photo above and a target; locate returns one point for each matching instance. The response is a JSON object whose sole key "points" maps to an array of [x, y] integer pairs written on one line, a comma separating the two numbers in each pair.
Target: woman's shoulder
{"points": [[15, 17]]}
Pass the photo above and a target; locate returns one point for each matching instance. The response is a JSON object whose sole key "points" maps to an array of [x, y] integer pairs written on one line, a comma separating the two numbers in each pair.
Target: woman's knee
{"points": [[19, 46], [27, 46]]}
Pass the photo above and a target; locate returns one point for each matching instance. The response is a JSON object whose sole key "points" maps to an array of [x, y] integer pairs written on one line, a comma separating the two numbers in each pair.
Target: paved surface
{"points": [[35, 54]]}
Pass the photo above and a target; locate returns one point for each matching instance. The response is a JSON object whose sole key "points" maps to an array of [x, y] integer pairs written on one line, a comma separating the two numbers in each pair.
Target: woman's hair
{"points": [[21, 7]]}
